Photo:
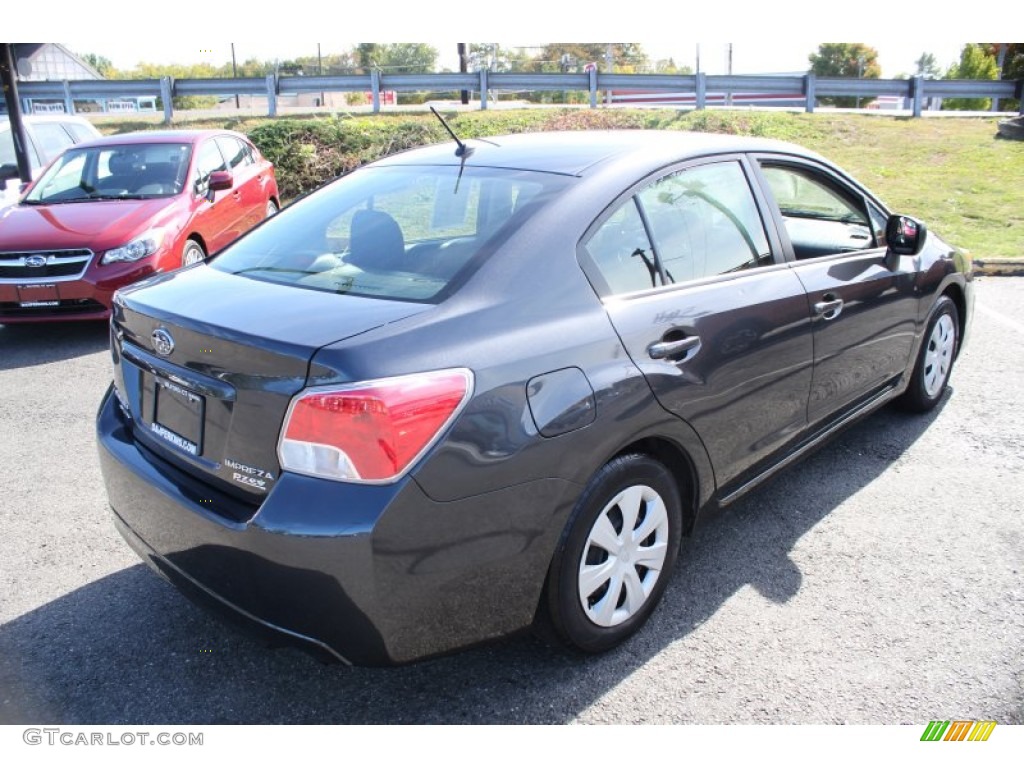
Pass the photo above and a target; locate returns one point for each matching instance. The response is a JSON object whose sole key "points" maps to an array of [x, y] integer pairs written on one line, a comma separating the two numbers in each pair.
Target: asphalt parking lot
{"points": [[879, 581]]}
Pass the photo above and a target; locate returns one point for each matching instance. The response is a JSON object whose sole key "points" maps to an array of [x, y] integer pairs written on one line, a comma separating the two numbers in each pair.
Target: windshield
{"points": [[7, 156], [136, 171], [401, 233]]}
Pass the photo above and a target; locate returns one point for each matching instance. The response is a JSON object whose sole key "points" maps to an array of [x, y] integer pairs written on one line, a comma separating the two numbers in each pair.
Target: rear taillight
{"points": [[372, 431]]}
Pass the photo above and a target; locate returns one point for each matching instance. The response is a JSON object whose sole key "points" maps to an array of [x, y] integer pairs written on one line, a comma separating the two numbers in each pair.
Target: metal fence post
{"points": [[917, 93], [809, 91], [69, 103], [375, 89], [271, 95], [593, 87], [167, 94], [483, 88], [702, 90]]}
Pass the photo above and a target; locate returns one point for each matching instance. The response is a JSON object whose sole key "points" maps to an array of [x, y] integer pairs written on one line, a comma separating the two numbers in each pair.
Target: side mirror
{"points": [[904, 235], [221, 180], [8, 171]]}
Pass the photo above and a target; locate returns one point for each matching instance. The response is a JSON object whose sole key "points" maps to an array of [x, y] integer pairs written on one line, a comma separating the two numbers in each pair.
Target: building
{"points": [[54, 63]]}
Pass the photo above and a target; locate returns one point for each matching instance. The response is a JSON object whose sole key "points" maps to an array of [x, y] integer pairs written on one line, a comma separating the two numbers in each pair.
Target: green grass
{"points": [[953, 173]]}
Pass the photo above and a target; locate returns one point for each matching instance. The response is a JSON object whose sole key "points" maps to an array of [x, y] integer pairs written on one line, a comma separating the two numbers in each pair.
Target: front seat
{"points": [[376, 242], [122, 176]]}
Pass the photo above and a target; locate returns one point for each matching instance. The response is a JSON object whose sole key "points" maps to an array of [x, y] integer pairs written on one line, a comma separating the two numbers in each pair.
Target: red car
{"points": [[113, 211]]}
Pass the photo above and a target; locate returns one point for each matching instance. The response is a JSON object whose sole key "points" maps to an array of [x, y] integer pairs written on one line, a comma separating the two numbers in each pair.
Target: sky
{"points": [[767, 37]]}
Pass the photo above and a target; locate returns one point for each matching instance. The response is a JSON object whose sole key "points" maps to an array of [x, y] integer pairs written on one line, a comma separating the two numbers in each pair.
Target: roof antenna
{"points": [[464, 150]]}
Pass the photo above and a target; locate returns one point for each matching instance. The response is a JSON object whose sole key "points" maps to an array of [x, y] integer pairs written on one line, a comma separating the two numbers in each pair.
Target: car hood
{"points": [[99, 224]]}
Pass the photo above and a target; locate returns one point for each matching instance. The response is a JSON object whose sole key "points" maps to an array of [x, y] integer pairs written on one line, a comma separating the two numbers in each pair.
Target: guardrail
{"points": [[698, 89]]}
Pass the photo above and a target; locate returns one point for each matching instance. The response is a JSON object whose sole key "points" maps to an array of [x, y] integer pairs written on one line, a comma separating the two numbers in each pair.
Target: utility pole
{"points": [[610, 64], [463, 68], [234, 73], [9, 77], [728, 94], [320, 70], [860, 74]]}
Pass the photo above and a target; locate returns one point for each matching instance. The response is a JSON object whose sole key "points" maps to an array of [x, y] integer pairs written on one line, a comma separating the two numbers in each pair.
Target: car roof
{"points": [[574, 153], [155, 137], [5, 119]]}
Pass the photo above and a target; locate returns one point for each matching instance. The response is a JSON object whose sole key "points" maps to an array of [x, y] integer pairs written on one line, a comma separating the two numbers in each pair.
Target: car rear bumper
{"points": [[368, 574]]}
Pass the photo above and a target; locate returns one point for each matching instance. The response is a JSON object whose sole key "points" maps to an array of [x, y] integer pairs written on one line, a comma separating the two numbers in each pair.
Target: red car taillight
{"points": [[372, 431]]}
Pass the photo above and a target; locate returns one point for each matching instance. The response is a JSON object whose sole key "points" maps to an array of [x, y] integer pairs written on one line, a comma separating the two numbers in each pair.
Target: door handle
{"points": [[669, 349], [829, 307]]}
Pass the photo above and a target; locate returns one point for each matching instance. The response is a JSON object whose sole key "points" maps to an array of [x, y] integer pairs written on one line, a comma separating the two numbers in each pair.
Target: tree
{"points": [[396, 58], [572, 57], [845, 60], [975, 64], [366, 56], [669, 67], [1010, 60], [101, 64], [497, 59], [251, 67], [146, 71], [927, 66]]}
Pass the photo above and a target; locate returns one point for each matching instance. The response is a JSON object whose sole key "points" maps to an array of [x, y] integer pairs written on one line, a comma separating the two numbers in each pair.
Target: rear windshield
{"points": [[403, 233]]}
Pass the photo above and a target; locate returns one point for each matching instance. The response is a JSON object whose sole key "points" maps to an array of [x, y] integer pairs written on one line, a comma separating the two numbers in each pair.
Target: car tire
{"points": [[615, 556], [192, 253], [935, 358], [272, 209]]}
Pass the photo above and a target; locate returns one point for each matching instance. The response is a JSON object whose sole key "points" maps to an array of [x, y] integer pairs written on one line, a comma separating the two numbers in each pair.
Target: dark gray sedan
{"points": [[465, 391]]}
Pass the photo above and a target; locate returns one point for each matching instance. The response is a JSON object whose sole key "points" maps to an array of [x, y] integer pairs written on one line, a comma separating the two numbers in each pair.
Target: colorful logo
{"points": [[958, 730]]}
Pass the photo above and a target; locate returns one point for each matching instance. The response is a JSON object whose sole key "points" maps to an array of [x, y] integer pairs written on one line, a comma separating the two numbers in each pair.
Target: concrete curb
{"points": [[999, 267]]}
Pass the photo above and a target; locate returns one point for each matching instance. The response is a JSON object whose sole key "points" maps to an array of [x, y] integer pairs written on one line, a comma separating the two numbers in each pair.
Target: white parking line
{"points": [[999, 317]]}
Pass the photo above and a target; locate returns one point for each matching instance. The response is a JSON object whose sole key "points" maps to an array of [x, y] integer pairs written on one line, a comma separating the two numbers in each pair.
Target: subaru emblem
{"points": [[163, 344], [35, 261]]}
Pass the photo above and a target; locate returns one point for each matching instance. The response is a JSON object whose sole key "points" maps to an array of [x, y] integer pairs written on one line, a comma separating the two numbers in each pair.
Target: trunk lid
{"points": [[206, 364]]}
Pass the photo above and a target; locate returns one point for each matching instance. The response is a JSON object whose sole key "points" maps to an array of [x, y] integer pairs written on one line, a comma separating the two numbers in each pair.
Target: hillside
{"points": [[954, 173]]}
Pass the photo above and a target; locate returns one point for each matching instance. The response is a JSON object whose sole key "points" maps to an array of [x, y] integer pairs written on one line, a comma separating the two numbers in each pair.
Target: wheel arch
{"points": [[199, 239], [682, 469], [955, 292]]}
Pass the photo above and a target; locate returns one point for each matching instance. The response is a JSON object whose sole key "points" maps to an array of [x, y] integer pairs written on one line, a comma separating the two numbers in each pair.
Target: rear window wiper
{"points": [[273, 269]]}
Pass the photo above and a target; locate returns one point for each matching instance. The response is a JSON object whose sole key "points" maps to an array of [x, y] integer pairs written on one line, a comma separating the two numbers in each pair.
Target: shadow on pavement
{"points": [[29, 344], [129, 649]]}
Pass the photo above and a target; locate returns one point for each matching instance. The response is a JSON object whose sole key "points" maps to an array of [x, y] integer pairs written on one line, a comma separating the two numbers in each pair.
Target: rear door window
{"points": [[235, 151], [704, 222], [692, 224]]}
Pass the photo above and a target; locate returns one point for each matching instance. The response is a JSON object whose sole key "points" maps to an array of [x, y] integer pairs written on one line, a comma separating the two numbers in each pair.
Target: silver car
{"points": [[48, 136]]}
